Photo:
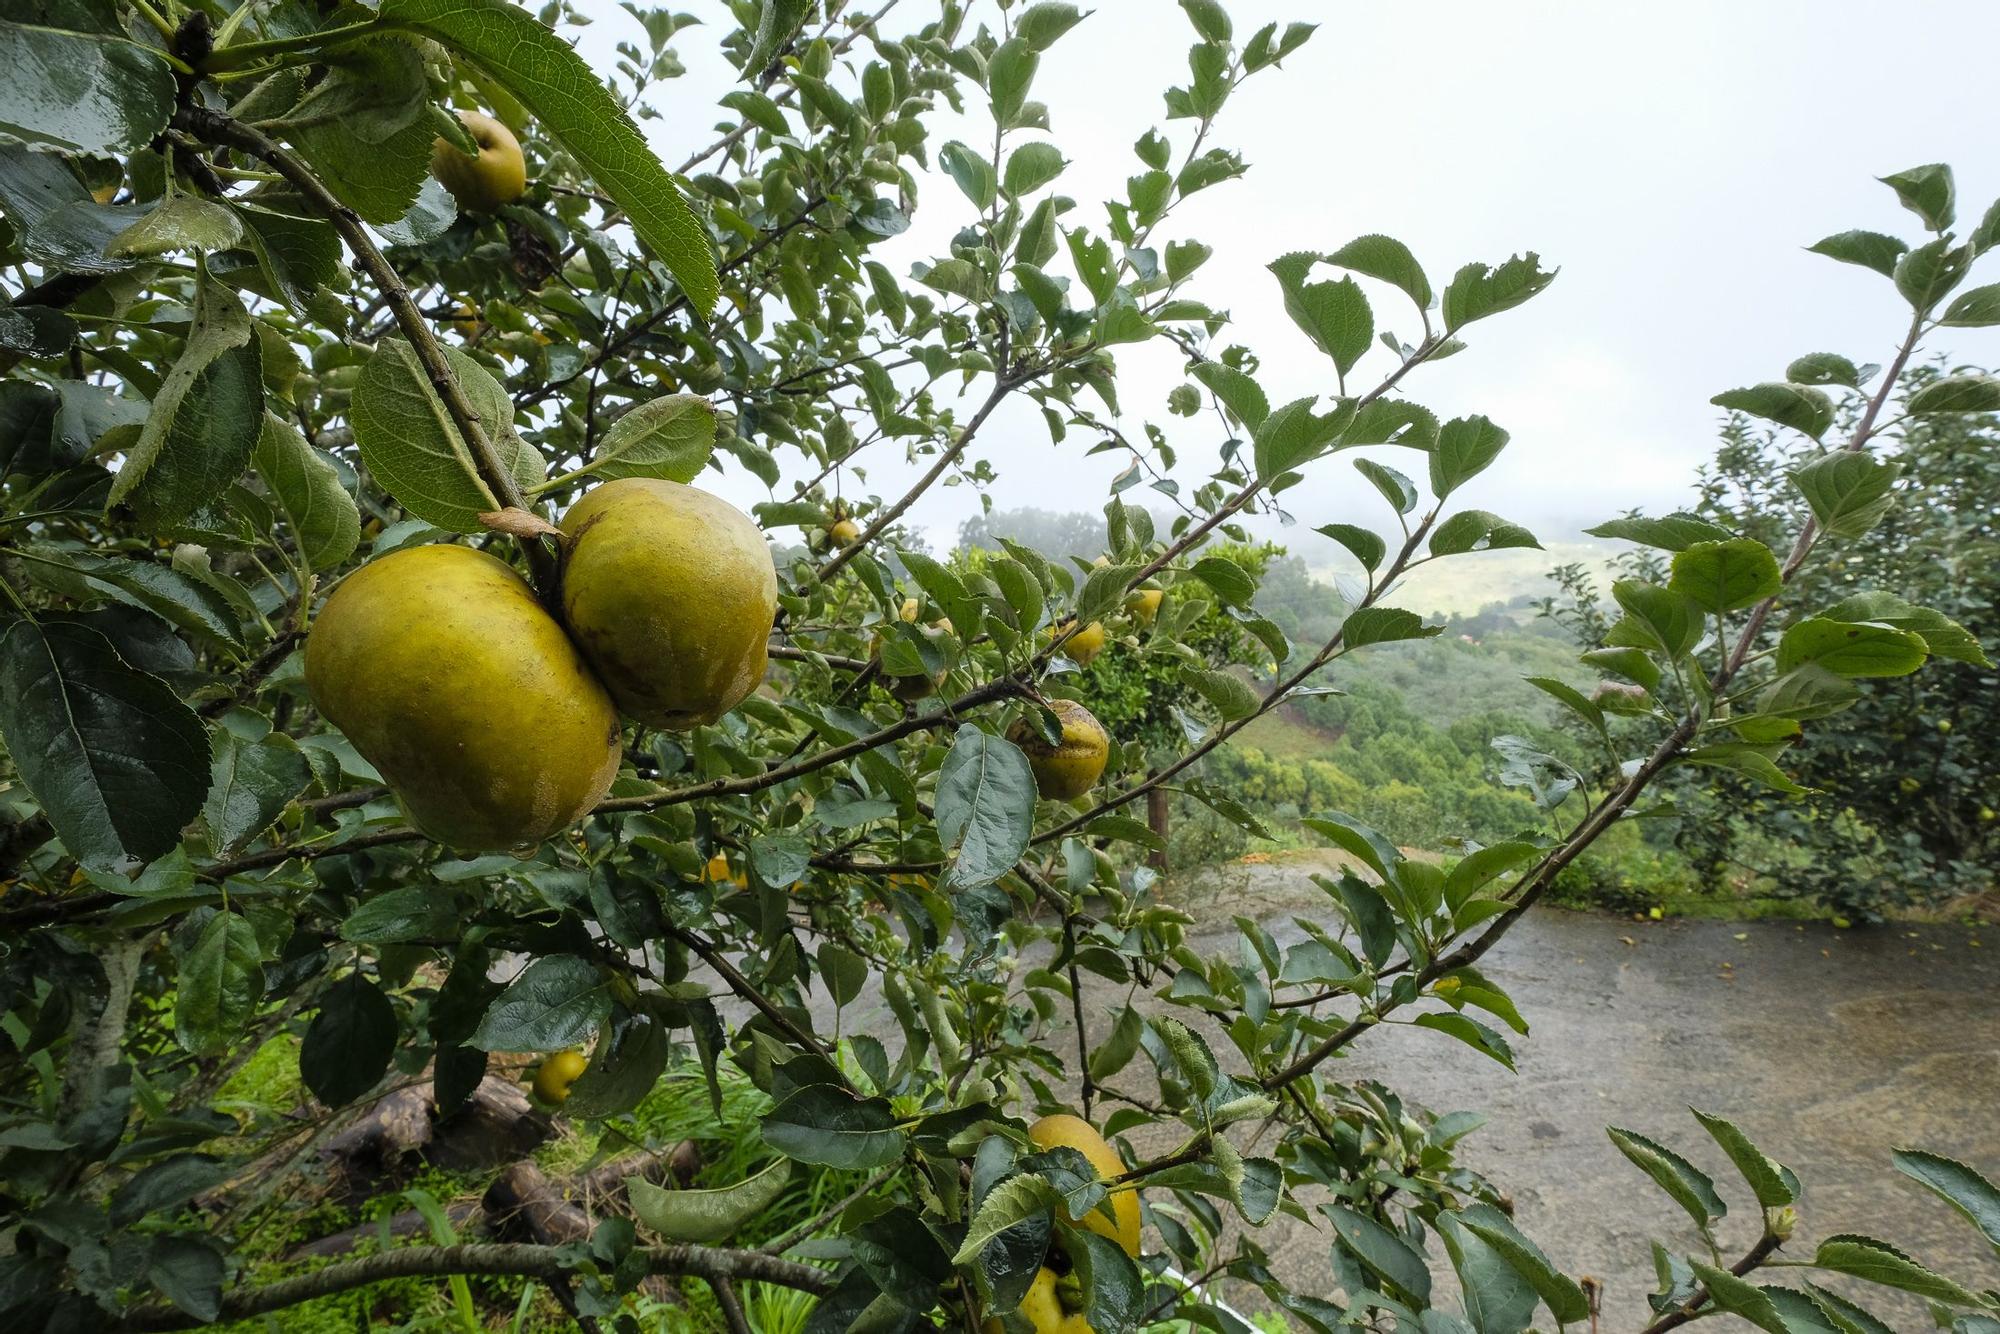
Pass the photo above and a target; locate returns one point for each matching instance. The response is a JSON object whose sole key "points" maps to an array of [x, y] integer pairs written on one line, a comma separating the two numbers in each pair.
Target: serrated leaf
{"points": [[669, 437], [1824, 368], [79, 91], [576, 110], [1671, 532], [1334, 315], [1958, 1185], [1238, 392], [250, 784], [1871, 250], [1388, 259], [1850, 648], [1687, 1185], [1849, 491], [1367, 547], [1801, 407], [414, 449], [1477, 530], [554, 1003], [1564, 1298], [827, 1125], [1391, 1258], [1773, 1186], [220, 983], [1740, 1297], [1477, 291], [326, 524], [1465, 447], [1227, 693], [1957, 393], [1726, 576], [180, 223], [1928, 192], [1879, 1262], [1942, 636], [117, 762], [1030, 167], [1382, 625], [985, 807], [204, 422]]}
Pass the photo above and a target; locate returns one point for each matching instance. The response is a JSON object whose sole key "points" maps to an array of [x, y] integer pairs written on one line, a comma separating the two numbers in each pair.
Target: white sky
{"points": [[1672, 160]]}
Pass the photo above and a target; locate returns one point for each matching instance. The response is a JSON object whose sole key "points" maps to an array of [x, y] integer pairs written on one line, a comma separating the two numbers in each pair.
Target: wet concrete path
{"points": [[1829, 1048]]}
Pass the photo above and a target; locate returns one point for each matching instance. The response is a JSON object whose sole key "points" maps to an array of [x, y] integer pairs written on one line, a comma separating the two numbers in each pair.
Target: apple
{"points": [[498, 175]]}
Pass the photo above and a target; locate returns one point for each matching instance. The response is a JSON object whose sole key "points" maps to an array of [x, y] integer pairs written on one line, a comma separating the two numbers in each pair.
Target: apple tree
{"points": [[255, 349]]}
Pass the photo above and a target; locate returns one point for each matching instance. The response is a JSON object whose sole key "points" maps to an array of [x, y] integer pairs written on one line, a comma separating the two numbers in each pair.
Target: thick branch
{"points": [[527, 1261], [217, 128]]}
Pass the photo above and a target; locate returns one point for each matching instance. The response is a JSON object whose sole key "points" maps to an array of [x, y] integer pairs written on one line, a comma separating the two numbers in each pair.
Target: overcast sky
{"points": [[1673, 161]]}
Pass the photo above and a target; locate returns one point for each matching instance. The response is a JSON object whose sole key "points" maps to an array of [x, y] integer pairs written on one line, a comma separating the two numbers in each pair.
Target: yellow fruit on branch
{"points": [[1073, 1132], [1143, 604], [452, 680], [1046, 1310], [498, 175], [717, 869], [556, 1074], [671, 593], [1082, 646], [843, 533], [1067, 771]]}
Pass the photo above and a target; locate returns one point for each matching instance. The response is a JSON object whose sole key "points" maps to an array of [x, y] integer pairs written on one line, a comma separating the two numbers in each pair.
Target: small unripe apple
{"points": [[844, 532], [498, 175]]}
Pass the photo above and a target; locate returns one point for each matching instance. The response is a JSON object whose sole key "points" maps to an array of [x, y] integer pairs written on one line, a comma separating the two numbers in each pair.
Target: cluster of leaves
{"points": [[1902, 808], [210, 417]]}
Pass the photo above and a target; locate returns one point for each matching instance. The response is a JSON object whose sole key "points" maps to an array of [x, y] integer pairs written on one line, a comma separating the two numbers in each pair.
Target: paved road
{"points": [[1829, 1048]]}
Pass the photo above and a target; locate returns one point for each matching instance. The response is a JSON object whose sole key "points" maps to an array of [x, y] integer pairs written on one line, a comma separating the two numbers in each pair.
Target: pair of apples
{"points": [[497, 724]]}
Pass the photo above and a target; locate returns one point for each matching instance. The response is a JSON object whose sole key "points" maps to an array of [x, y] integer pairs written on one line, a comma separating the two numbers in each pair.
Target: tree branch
{"points": [[547, 1263], [1691, 1309]]}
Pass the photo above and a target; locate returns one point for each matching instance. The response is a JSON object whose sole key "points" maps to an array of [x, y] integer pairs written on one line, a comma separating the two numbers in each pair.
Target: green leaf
{"points": [[1477, 530], [1801, 407], [552, 81], [117, 762], [1958, 1185], [1387, 1255], [1230, 695], [1672, 532], [1846, 1316], [1771, 1182], [985, 807], [1229, 581], [829, 1126], [1656, 618], [1495, 1296], [414, 449], [844, 972], [205, 420], [1388, 259], [1117, 1050], [1749, 760], [1397, 489], [1382, 625], [707, 1216], [1571, 698], [175, 596], [1942, 636], [1015, 1200], [349, 1043], [1926, 191], [298, 256], [1850, 648], [1727, 576], [410, 913], [1465, 447], [555, 1002], [1292, 436], [1879, 1262], [1565, 1300], [1472, 1033], [1032, 166], [1871, 250], [1928, 273], [1957, 393], [1009, 73], [165, 1186], [623, 1070], [1824, 368], [221, 981], [180, 223], [188, 1271], [1849, 491], [1238, 392], [1368, 548], [778, 21], [1375, 851], [1477, 291], [1683, 1182], [56, 220], [1191, 1056], [326, 525], [1334, 314], [972, 171], [669, 437], [1976, 309], [1041, 24], [70, 91], [250, 784], [1740, 1297], [1630, 663], [363, 128]]}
